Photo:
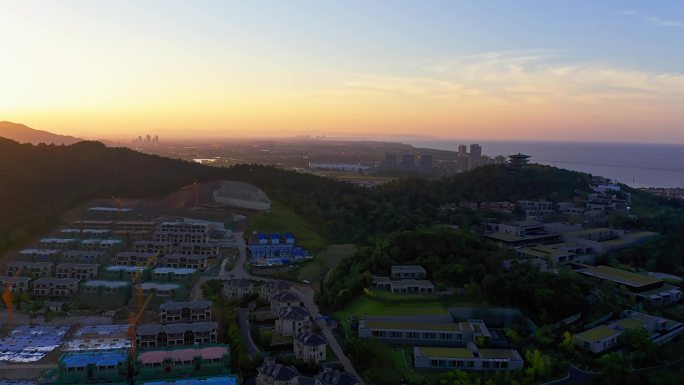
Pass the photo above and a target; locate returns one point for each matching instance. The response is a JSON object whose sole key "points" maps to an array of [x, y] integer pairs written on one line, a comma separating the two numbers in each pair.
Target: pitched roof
{"points": [[295, 313], [278, 372], [210, 352], [105, 358], [177, 328], [176, 305], [277, 285], [310, 339], [285, 296], [241, 282], [336, 377]]}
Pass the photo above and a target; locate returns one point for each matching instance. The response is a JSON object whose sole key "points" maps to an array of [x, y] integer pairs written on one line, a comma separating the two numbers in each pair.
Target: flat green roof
{"points": [[446, 352], [657, 290], [598, 333], [596, 230], [498, 353], [642, 234], [504, 237], [628, 323], [391, 325], [620, 276], [544, 251]]}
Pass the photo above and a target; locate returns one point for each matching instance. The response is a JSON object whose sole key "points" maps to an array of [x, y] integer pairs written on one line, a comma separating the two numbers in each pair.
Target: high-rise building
{"points": [[390, 161], [462, 150], [408, 161], [475, 151], [463, 163], [425, 163]]}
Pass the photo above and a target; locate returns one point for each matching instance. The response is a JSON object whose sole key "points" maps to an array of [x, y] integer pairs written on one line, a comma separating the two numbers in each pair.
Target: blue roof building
{"points": [[90, 367], [218, 380]]}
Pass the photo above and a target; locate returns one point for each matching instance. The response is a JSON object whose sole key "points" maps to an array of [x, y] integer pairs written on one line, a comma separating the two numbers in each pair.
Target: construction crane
{"points": [[133, 329], [119, 205], [138, 275], [8, 298]]}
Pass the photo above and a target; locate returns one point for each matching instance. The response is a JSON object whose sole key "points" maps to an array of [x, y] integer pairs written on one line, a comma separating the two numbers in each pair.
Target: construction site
{"points": [[96, 300]]}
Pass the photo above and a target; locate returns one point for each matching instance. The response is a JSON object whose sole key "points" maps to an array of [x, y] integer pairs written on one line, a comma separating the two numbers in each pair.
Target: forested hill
{"points": [[38, 183], [25, 134]]}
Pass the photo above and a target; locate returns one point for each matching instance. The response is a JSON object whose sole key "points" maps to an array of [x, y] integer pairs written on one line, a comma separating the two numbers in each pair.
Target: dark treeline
{"points": [[394, 223], [38, 183]]}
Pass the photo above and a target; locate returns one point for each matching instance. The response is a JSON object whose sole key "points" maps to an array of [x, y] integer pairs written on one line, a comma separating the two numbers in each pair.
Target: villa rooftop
{"points": [[501, 354], [182, 354], [446, 352], [219, 380], [159, 286], [598, 333], [620, 276], [433, 326], [100, 282], [174, 270]]}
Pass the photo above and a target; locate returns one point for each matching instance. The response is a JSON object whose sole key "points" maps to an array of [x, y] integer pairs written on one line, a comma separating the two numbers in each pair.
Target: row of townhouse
{"points": [[176, 334], [211, 249], [84, 256], [85, 233], [55, 287], [110, 293], [48, 269], [184, 312], [134, 225], [161, 274], [177, 237], [239, 288], [184, 226], [173, 260], [207, 365]]}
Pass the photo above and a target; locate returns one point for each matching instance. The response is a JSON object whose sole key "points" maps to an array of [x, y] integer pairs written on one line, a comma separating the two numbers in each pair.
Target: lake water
{"points": [[637, 165]]}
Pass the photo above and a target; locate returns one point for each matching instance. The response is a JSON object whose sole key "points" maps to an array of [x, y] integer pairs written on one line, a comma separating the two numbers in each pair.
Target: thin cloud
{"points": [[654, 20], [663, 22], [519, 78]]}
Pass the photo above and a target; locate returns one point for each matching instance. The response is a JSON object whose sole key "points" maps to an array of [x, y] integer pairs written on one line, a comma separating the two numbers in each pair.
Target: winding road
{"points": [[306, 295]]}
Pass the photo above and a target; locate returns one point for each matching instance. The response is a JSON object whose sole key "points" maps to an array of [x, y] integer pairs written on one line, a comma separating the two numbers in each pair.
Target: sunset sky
{"points": [[541, 70]]}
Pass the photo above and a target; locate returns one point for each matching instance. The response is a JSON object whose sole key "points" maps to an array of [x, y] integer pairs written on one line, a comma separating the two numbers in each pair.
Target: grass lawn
{"points": [[673, 350], [324, 262], [265, 336], [281, 219], [402, 366], [330, 356], [279, 339], [387, 304]]}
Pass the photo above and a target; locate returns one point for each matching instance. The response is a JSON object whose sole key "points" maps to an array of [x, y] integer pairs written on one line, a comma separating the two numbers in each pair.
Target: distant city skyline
{"points": [[608, 71]]}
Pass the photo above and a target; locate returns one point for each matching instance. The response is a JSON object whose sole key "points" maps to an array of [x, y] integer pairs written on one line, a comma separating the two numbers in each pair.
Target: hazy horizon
{"points": [[514, 70]]}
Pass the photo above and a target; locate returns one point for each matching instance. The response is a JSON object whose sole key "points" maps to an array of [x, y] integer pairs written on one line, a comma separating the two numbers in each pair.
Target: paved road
{"points": [[306, 294], [575, 376], [243, 321]]}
